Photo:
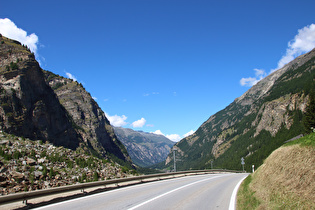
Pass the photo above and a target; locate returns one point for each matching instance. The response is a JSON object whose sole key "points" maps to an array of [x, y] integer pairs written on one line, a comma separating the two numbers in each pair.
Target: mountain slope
{"points": [[285, 180], [65, 115], [145, 149], [255, 124], [88, 118], [29, 106]]}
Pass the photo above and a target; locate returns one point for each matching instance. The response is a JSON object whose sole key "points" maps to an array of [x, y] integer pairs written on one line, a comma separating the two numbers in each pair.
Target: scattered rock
{"points": [[17, 175], [27, 174], [3, 142], [37, 174], [30, 162]]}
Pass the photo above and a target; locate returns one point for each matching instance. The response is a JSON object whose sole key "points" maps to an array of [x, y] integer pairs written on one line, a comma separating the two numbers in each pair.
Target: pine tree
{"points": [[309, 116]]}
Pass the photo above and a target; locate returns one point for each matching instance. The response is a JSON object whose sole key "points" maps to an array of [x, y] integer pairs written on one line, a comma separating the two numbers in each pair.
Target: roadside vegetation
{"points": [[286, 180]]}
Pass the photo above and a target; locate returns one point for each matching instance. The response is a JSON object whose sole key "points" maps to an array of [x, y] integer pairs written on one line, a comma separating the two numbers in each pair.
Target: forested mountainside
{"points": [[253, 125], [144, 148], [65, 115]]}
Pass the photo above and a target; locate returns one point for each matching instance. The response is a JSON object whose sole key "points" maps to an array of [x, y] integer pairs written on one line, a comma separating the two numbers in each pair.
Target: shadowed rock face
{"points": [[29, 106], [88, 118], [38, 104]]}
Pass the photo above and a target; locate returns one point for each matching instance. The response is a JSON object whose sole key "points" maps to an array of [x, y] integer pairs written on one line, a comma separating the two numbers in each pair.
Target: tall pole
{"points": [[243, 163], [174, 157]]}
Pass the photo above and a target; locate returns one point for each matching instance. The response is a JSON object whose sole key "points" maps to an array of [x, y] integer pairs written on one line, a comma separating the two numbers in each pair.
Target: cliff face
{"points": [[254, 124], [88, 118], [41, 105], [145, 149], [29, 106]]}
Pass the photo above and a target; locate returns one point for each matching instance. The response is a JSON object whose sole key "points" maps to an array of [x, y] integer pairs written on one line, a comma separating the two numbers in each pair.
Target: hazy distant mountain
{"points": [[144, 148], [253, 125]]}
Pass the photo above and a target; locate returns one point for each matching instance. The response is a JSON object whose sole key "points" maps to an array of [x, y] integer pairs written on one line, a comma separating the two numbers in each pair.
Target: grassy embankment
{"points": [[286, 180]]}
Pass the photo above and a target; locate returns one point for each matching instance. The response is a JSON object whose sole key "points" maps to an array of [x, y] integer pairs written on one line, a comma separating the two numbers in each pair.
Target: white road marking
{"points": [[234, 194], [159, 196]]}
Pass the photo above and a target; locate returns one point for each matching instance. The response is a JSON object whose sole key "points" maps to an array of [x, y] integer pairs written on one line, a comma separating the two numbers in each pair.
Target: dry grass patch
{"points": [[287, 179]]}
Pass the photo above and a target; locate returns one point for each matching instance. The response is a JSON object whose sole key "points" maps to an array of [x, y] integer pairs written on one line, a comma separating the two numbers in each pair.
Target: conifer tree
{"points": [[309, 116]]}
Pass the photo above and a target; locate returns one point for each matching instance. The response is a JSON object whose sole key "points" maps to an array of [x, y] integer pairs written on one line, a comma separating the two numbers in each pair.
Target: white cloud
{"points": [[139, 123], [116, 120], [303, 42], [189, 133], [174, 137], [10, 30], [148, 94], [71, 76], [158, 132], [250, 81]]}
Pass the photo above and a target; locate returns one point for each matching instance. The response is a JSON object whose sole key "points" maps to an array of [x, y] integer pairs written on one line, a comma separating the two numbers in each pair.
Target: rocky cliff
{"points": [[29, 106], [254, 124], [88, 118], [41, 105], [144, 148]]}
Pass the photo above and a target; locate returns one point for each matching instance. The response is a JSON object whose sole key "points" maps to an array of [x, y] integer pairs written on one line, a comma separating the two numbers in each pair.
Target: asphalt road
{"points": [[211, 191]]}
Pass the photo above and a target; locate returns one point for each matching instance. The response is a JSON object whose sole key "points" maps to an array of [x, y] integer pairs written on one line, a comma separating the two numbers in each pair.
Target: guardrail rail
{"points": [[24, 196]]}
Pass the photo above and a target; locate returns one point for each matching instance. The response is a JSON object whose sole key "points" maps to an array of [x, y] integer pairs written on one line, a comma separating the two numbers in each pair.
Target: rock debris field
{"points": [[27, 165]]}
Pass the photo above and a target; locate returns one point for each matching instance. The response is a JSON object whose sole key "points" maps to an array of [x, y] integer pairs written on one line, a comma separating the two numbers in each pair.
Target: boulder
{"points": [[30, 161]]}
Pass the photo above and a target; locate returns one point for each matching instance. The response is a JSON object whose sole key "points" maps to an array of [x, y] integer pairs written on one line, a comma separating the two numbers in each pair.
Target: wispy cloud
{"points": [[139, 123], [158, 132], [250, 81], [10, 30], [303, 42], [189, 133], [71, 76], [116, 120], [173, 137], [148, 94]]}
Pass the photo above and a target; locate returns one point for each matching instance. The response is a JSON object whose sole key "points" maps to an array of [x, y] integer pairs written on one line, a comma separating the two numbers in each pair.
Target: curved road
{"points": [[210, 191]]}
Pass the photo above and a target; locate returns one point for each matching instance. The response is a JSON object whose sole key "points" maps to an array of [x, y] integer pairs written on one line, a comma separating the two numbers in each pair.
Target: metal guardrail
{"points": [[24, 196]]}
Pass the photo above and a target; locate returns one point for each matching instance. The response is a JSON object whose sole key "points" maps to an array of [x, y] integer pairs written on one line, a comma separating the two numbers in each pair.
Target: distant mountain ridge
{"points": [[255, 124], [144, 148]]}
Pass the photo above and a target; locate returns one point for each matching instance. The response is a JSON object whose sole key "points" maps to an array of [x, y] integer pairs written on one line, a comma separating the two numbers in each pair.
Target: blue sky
{"points": [[162, 66]]}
